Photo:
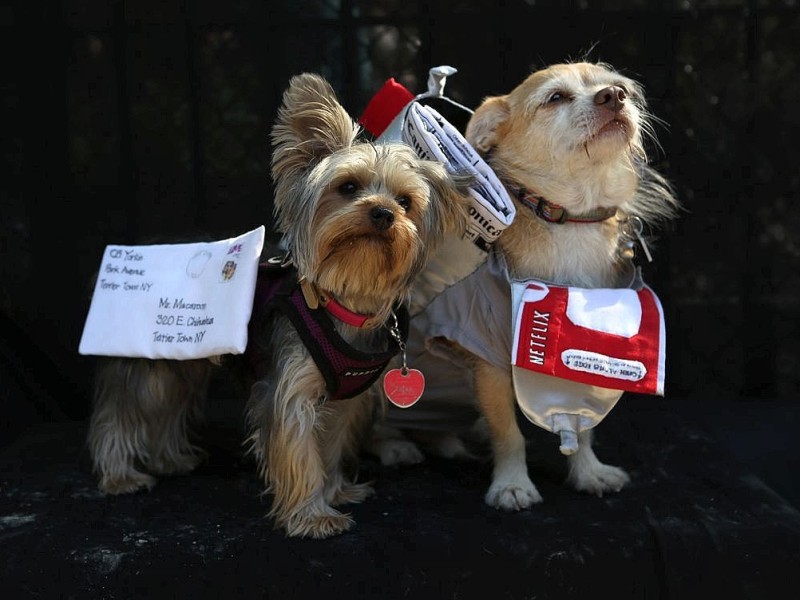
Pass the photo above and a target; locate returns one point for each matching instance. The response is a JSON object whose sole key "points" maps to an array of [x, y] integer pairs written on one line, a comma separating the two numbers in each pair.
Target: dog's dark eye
{"points": [[404, 202], [348, 188], [557, 97], [625, 88]]}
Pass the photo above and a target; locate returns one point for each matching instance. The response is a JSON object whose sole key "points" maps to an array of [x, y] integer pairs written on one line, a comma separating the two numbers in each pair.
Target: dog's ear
{"points": [[483, 130], [310, 125], [449, 200]]}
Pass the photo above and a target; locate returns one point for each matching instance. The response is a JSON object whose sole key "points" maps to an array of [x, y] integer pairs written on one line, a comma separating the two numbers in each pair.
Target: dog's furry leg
{"points": [[143, 410], [293, 469], [171, 451], [345, 425], [588, 474], [284, 416], [117, 434], [511, 488]]}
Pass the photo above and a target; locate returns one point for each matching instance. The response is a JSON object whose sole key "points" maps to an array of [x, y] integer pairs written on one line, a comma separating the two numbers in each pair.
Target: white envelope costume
{"points": [[174, 301]]}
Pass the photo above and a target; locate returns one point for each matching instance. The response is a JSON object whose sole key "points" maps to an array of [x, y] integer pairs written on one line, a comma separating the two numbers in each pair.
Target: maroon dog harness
{"points": [[347, 370]]}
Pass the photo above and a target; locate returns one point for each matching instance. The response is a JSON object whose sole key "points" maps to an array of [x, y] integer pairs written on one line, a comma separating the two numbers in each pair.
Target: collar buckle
{"points": [[547, 212]]}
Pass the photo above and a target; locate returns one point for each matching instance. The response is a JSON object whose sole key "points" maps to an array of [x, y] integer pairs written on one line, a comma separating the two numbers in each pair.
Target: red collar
{"points": [[345, 315], [315, 298]]}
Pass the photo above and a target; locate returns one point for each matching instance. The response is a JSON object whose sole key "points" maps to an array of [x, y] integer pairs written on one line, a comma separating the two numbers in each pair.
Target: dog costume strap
{"points": [[347, 370]]}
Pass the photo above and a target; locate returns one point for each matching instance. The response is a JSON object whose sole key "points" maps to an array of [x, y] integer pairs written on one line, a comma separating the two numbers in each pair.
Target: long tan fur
{"points": [[359, 221]]}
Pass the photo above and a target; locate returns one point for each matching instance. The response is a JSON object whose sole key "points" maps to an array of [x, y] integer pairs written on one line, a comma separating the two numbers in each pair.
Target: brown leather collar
{"points": [[555, 213]]}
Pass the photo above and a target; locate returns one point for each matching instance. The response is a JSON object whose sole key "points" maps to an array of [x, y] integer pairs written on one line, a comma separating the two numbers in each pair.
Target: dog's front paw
{"points": [[513, 495], [317, 524], [126, 484], [449, 446], [598, 479], [397, 452]]}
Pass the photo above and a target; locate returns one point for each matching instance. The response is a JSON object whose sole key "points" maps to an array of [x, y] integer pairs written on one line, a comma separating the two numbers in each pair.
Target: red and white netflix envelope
{"points": [[609, 338]]}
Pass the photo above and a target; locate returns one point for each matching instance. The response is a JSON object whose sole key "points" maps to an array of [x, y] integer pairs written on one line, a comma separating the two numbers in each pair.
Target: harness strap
{"points": [[347, 370]]}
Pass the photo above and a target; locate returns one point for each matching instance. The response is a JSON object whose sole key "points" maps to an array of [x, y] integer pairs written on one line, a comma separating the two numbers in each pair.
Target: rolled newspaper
{"points": [[490, 210], [434, 138]]}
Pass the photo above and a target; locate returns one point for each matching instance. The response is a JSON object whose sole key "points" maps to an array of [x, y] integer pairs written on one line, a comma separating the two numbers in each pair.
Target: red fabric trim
{"points": [[384, 106]]}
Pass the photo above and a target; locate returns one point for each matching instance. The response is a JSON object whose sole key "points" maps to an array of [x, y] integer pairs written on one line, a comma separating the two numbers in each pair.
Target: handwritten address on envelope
{"points": [[178, 301]]}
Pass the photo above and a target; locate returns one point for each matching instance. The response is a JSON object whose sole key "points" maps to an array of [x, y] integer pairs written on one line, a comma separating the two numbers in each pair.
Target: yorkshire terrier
{"points": [[569, 145], [357, 222]]}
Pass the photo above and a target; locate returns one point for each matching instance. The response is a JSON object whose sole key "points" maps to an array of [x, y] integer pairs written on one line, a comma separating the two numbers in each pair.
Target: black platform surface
{"points": [[696, 522]]}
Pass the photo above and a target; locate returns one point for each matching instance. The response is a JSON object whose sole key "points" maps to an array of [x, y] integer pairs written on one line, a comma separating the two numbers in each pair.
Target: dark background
{"points": [[124, 122]]}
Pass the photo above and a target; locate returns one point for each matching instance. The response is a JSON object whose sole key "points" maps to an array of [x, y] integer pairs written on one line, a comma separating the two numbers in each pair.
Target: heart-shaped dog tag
{"points": [[403, 389]]}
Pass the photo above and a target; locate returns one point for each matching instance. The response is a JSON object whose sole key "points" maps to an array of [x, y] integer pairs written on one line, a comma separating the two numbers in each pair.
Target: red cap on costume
{"points": [[384, 106]]}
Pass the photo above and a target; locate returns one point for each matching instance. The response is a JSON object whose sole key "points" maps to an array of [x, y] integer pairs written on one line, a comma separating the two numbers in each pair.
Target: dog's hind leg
{"points": [[175, 407], [588, 474], [117, 436], [139, 420], [511, 488]]}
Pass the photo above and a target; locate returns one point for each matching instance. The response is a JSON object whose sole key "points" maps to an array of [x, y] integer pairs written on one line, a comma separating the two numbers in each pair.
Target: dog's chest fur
{"points": [[576, 254]]}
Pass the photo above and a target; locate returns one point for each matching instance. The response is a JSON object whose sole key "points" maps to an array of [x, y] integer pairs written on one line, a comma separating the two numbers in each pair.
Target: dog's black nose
{"points": [[612, 98], [381, 217]]}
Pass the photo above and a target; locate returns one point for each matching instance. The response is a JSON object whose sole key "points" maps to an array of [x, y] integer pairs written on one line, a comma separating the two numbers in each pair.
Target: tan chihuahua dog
{"points": [[567, 143]]}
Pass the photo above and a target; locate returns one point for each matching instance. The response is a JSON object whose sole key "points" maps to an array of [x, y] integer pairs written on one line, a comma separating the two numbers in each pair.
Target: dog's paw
{"points": [[317, 524], [396, 452], [513, 496], [352, 493], [449, 446], [598, 479], [126, 484]]}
